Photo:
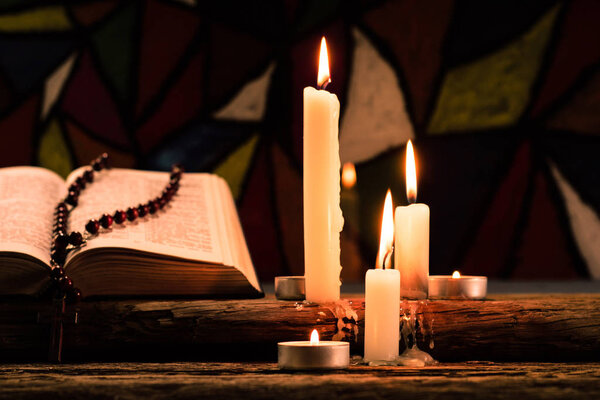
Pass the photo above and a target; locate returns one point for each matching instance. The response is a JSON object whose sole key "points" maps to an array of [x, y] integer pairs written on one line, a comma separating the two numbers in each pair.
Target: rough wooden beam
{"points": [[507, 327]]}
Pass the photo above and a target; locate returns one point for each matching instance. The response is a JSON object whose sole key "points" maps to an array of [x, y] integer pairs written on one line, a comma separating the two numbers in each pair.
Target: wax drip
{"points": [[347, 320], [409, 325], [413, 320], [346, 325]]}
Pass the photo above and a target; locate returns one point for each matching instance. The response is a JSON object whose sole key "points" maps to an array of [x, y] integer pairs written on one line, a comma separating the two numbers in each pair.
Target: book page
{"points": [[186, 228], [238, 249], [28, 196]]}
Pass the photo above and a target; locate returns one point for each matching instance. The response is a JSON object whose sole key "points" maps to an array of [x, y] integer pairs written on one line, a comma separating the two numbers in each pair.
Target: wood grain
{"points": [[192, 380], [504, 328]]}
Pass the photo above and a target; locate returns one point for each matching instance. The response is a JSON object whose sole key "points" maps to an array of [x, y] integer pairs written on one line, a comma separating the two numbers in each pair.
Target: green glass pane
{"points": [[114, 44]]}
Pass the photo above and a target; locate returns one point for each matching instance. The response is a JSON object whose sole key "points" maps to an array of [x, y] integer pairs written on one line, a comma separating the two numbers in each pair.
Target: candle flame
{"points": [[348, 175], [456, 275], [314, 337], [411, 174], [324, 77], [386, 240]]}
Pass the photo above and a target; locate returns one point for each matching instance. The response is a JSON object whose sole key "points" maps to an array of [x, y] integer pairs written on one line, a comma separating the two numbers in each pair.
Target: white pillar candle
{"points": [[412, 238], [382, 297], [323, 219]]}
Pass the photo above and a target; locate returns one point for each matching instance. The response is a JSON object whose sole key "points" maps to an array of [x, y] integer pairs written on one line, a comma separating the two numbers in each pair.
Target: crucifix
{"points": [[59, 316]]}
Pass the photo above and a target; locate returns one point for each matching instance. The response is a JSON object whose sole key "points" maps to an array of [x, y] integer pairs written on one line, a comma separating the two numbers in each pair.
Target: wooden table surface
{"points": [[191, 380]]}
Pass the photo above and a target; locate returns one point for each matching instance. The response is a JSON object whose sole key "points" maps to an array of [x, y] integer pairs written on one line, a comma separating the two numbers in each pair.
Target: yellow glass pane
{"points": [[40, 19], [235, 167], [53, 151], [494, 90]]}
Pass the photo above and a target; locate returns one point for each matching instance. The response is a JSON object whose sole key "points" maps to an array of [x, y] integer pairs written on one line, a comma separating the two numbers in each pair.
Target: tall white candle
{"points": [[323, 219], [412, 238], [382, 297]]}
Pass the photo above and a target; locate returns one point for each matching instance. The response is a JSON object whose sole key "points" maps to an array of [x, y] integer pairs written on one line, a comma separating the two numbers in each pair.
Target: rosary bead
{"points": [[61, 208], [143, 210], [75, 188], [73, 295], [106, 221], [132, 213], [88, 175], [61, 241], [56, 273], [58, 256], [81, 182], [162, 202], [72, 198], [92, 226], [96, 165], [60, 224], [178, 167], [104, 160], [76, 238], [175, 175], [65, 283], [153, 206], [120, 216]]}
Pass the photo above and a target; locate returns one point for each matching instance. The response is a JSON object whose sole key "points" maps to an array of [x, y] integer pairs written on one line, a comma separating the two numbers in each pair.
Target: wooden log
{"points": [[193, 380], [506, 327]]}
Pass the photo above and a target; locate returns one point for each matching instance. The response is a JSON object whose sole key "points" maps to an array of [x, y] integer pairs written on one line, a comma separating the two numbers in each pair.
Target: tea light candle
{"points": [[289, 288], [412, 237], [457, 287], [313, 354], [349, 195], [382, 297], [323, 220]]}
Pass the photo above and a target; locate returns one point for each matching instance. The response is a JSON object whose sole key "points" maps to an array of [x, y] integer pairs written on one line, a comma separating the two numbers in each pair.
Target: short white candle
{"points": [[457, 286], [323, 220], [412, 238], [313, 354], [382, 297]]}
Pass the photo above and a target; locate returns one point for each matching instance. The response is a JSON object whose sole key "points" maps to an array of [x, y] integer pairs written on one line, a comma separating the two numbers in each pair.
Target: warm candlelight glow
{"points": [[314, 337], [456, 275], [348, 175], [411, 174], [324, 77], [386, 240]]}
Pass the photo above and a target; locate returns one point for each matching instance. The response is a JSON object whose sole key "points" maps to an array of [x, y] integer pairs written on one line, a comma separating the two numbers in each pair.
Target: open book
{"points": [[193, 247]]}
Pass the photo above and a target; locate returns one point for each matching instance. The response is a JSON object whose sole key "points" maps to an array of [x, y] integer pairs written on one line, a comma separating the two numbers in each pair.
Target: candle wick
{"points": [[387, 258], [323, 86]]}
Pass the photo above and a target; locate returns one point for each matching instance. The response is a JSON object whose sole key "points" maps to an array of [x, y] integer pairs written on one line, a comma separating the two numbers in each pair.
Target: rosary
{"points": [[63, 242]]}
